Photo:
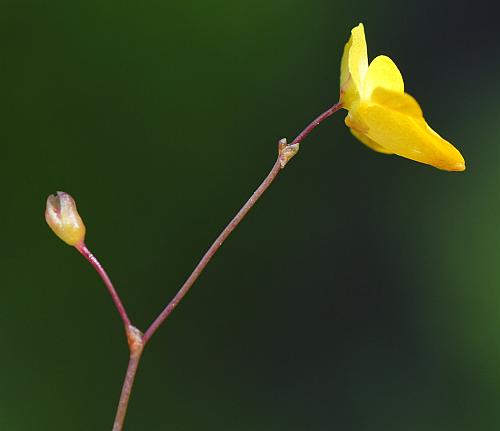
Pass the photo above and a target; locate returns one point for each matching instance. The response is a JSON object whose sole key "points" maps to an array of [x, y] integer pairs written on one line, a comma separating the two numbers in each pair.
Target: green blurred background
{"points": [[361, 293]]}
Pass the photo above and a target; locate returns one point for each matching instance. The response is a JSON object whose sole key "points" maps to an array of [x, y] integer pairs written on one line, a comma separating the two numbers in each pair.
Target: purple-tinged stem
{"points": [[136, 346], [121, 412], [278, 165], [212, 250], [85, 252], [136, 340], [316, 122]]}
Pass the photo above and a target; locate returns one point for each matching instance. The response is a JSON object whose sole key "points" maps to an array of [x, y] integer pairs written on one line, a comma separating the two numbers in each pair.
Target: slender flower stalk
{"points": [[285, 153], [128, 383], [275, 170], [134, 338], [62, 217], [86, 253], [136, 346], [316, 122]]}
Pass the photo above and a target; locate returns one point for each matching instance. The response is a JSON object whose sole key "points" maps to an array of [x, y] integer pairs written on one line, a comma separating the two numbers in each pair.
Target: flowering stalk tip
{"points": [[62, 217], [382, 116]]}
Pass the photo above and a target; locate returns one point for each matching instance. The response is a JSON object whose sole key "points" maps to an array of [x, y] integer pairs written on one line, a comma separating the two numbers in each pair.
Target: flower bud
{"points": [[63, 218]]}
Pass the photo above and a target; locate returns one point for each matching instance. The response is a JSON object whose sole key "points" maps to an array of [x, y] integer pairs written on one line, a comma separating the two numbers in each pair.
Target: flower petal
{"points": [[344, 64], [402, 132], [370, 143], [358, 55], [353, 66], [401, 102], [382, 72]]}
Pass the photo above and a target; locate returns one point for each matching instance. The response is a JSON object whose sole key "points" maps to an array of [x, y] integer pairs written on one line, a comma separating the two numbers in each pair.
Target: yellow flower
{"points": [[382, 115]]}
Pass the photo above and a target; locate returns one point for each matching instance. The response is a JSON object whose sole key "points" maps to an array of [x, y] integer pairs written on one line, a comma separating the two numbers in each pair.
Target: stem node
{"points": [[134, 338], [286, 151]]}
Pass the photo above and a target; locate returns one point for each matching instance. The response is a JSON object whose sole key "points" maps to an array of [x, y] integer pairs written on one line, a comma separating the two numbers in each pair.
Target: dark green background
{"points": [[361, 293]]}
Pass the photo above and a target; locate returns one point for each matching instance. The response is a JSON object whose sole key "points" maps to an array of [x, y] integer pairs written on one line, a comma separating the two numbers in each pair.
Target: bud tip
{"points": [[62, 217]]}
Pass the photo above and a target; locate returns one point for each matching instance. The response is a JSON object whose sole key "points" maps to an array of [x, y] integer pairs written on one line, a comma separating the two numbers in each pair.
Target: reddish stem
{"points": [[85, 252], [136, 340], [232, 225], [316, 122], [136, 346], [212, 250], [121, 412]]}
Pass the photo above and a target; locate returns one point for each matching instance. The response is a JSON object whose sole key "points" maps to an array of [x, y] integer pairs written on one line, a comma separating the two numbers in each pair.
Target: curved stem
{"points": [[85, 252], [278, 165]]}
